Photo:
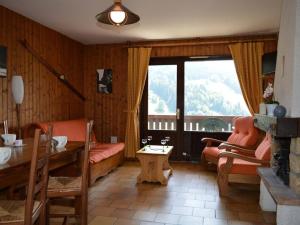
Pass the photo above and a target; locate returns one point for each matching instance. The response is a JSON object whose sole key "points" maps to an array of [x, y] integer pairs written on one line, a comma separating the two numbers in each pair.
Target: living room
{"points": [[71, 67]]}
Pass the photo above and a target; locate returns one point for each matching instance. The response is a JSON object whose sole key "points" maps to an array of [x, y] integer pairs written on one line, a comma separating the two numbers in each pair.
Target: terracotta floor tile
{"points": [[123, 213], [102, 211], [251, 217], [190, 198], [103, 220], [238, 222], [269, 217], [225, 214], [122, 221], [167, 218]]}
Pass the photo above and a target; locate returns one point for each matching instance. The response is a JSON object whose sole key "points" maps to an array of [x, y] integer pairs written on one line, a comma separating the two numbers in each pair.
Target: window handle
{"points": [[177, 114]]}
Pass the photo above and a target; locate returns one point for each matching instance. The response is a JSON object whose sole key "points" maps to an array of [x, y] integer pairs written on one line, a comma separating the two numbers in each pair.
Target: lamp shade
{"points": [[117, 15], [17, 88]]}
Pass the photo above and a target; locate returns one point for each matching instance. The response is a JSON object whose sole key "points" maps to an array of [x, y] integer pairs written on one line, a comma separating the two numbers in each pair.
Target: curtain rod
{"points": [[197, 42]]}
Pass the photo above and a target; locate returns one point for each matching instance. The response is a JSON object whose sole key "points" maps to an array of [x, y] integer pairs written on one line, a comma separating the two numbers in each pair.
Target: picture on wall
{"points": [[104, 81], [3, 61]]}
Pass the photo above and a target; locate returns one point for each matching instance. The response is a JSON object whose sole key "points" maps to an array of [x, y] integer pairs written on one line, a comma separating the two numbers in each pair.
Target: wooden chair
{"points": [[61, 189], [244, 135], [28, 212], [240, 168]]}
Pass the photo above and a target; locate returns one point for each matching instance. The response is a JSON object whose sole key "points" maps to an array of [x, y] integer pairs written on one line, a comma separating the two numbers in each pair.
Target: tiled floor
{"points": [[190, 198]]}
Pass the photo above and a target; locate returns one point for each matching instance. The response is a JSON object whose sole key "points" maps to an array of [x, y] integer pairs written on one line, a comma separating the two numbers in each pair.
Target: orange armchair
{"points": [[244, 135], [240, 168]]}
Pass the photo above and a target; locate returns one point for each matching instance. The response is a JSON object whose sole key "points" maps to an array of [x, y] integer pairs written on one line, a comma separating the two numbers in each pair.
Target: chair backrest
{"points": [[244, 133], [38, 177], [87, 145], [85, 166], [263, 151]]}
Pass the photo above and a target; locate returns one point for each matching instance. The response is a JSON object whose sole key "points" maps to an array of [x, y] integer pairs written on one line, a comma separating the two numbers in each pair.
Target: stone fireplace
{"points": [[285, 159]]}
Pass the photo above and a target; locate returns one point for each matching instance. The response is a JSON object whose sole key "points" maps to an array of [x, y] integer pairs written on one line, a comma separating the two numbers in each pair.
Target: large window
{"points": [[209, 90], [162, 92], [212, 95]]}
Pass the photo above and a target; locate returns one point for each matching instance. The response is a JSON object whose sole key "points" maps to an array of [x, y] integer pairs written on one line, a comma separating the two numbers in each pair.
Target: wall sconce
{"points": [[17, 85]]}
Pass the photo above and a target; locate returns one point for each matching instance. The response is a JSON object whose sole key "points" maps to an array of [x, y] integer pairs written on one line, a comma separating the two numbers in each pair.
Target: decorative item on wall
{"points": [[104, 81], [3, 61]]}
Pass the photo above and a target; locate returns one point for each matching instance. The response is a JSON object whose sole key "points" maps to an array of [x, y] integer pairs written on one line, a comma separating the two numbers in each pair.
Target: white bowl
{"points": [[5, 154], [9, 139], [62, 141]]}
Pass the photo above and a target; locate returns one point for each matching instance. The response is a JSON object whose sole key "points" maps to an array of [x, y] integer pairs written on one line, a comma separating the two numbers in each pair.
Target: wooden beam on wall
{"points": [[52, 70]]}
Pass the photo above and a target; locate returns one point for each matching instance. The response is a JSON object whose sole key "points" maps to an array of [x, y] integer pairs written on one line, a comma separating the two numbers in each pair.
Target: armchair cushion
{"points": [[212, 151], [244, 133], [263, 151], [239, 166]]}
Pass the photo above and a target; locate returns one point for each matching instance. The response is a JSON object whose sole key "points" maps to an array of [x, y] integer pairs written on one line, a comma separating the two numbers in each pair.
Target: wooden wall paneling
{"points": [[45, 98], [105, 109]]}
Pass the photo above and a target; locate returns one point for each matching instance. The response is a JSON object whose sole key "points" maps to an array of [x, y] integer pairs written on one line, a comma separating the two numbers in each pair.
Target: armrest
{"points": [[229, 147], [209, 141], [243, 157]]}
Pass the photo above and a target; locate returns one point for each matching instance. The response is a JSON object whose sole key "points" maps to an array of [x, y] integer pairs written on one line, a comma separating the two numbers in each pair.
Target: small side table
{"points": [[155, 166]]}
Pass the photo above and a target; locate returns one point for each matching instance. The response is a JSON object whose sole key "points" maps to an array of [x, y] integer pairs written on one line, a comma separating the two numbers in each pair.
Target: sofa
{"points": [[104, 157]]}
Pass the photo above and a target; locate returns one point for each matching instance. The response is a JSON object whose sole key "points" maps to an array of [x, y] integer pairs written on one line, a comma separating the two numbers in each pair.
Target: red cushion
{"points": [[239, 166], [75, 130], [244, 133], [212, 151], [263, 151], [104, 151]]}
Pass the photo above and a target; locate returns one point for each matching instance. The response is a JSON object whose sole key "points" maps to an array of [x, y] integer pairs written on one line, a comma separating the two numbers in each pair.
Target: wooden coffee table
{"points": [[154, 164]]}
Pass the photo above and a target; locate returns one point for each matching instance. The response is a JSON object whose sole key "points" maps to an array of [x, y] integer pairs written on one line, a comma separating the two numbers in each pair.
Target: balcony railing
{"points": [[192, 123]]}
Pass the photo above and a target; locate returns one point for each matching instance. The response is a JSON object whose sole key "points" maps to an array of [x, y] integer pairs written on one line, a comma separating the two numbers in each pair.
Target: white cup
{"points": [[5, 154], [62, 141], [19, 142], [9, 139]]}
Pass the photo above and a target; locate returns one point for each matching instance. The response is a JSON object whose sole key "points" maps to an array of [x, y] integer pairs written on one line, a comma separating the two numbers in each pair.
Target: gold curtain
{"points": [[138, 61], [247, 59]]}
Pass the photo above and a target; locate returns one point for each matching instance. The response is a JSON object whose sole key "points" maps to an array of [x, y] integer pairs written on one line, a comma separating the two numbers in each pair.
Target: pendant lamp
{"points": [[117, 15]]}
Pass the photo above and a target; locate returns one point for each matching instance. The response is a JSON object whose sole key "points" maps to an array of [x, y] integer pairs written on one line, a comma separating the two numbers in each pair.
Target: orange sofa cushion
{"points": [[239, 166], [75, 130], [104, 151]]}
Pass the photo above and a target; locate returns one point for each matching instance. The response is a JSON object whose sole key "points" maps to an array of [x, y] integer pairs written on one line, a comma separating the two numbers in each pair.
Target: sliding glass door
{"points": [[187, 99]]}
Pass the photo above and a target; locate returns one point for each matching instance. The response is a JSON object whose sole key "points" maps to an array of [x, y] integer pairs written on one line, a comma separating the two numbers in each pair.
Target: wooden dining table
{"points": [[16, 169]]}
